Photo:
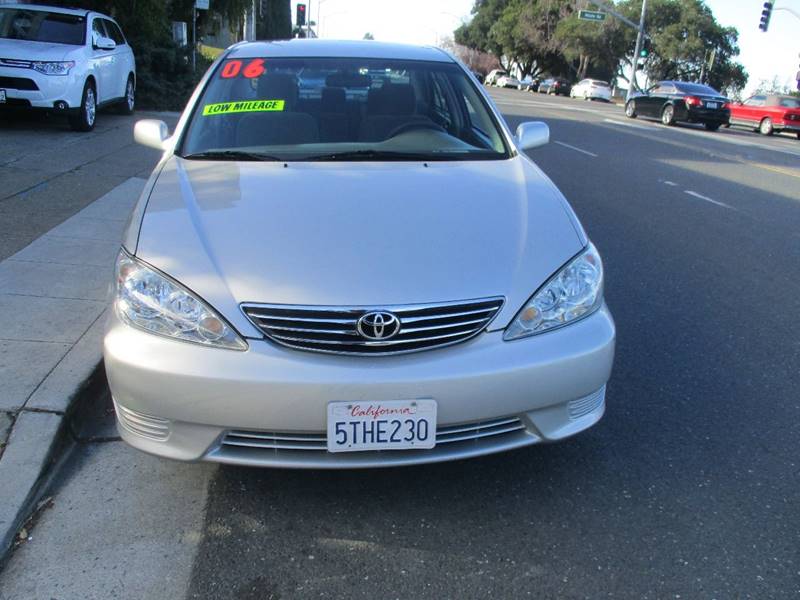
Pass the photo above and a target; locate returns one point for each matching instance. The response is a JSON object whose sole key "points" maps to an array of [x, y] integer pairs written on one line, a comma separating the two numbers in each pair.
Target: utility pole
{"points": [[639, 39], [194, 37]]}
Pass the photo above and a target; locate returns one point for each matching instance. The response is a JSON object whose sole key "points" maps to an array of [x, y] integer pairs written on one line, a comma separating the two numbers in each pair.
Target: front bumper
{"points": [[49, 89], [181, 400]]}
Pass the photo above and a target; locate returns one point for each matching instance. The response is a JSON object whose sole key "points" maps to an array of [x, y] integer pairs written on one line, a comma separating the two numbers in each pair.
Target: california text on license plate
{"points": [[391, 425]]}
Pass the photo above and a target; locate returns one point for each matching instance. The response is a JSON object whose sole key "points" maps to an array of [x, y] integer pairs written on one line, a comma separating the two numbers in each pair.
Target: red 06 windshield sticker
{"points": [[250, 68]]}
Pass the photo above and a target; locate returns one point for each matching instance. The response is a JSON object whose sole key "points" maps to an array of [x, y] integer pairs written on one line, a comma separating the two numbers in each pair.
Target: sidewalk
{"points": [[53, 296]]}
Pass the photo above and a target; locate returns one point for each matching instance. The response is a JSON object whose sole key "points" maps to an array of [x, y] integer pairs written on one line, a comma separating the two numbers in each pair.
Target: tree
{"points": [[593, 46], [546, 36], [369, 36], [684, 33], [475, 60]]}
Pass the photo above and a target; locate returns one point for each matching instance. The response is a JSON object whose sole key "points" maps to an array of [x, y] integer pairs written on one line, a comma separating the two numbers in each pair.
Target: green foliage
{"points": [[547, 36], [276, 22], [165, 79], [684, 33]]}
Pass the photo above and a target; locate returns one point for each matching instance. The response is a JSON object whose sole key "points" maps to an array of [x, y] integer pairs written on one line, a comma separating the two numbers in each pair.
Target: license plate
{"points": [[712, 105], [392, 425], [2, 96]]}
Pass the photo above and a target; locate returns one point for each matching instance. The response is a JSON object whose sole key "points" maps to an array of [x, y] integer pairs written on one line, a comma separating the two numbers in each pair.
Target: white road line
{"points": [[592, 154], [670, 183], [624, 124], [707, 199]]}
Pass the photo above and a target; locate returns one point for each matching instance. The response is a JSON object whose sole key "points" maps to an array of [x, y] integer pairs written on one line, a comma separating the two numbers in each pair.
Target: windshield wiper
{"points": [[376, 155], [230, 155]]}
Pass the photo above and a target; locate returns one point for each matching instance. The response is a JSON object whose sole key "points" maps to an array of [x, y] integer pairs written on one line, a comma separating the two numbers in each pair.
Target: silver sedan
{"points": [[345, 259]]}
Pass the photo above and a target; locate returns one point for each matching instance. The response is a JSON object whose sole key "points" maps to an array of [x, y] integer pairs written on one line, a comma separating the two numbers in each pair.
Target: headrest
{"points": [[392, 99], [333, 100], [278, 86], [348, 80]]}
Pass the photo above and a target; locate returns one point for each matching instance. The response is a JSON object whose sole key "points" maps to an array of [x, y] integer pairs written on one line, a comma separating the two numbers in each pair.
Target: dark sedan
{"points": [[679, 101], [555, 85]]}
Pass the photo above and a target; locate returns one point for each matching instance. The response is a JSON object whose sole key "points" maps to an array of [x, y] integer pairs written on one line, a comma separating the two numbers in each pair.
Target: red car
{"points": [[768, 113]]}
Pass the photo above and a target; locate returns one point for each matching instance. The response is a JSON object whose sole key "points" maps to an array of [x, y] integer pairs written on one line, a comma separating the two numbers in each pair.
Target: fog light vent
{"points": [[583, 406], [147, 426]]}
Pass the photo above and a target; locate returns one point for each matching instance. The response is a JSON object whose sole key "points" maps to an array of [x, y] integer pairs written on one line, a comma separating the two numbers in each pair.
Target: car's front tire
{"points": [[766, 127], [128, 104], [712, 126], [630, 109], [86, 116]]}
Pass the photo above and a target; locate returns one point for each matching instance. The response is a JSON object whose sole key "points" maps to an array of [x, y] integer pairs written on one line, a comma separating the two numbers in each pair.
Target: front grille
{"points": [[317, 442], [18, 83], [334, 329], [15, 62]]}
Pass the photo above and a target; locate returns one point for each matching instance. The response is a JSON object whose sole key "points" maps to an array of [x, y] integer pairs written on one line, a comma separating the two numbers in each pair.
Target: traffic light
{"points": [[301, 15], [645, 51], [766, 15]]}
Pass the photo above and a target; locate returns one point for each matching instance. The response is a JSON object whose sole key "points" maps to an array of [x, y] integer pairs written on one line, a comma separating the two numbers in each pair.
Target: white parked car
{"points": [[507, 81], [590, 89], [493, 76], [64, 60]]}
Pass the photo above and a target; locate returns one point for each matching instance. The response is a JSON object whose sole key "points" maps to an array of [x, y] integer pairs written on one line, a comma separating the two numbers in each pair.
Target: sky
{"points": [[764, 55]]}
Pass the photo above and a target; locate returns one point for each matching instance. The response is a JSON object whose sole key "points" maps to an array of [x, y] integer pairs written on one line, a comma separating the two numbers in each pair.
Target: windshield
{"points": [[341, 109], [42, 26], [789, 102], [696, 88]]}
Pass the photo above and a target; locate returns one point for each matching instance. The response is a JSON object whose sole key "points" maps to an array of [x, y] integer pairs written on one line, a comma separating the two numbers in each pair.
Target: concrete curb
{"points": [[53, 294]]}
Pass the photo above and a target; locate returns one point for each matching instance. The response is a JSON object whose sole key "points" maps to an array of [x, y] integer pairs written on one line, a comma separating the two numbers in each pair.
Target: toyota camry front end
{"points": [[344, 259]]}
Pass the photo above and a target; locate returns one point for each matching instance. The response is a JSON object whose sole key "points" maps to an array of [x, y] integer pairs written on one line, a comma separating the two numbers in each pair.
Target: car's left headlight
{"points": [[53, 68], [572, 293], [151, 301]]}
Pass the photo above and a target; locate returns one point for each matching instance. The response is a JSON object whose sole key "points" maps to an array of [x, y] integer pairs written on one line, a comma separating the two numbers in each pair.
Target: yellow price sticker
{"points": [[242, 106]]}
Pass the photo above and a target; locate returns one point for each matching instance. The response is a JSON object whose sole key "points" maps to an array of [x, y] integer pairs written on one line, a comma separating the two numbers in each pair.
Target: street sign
{"points": [[592, 15], [201, 4]]}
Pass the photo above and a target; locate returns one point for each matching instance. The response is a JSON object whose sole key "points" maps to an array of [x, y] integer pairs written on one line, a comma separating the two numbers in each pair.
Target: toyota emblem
{"points": [[378, 326]]}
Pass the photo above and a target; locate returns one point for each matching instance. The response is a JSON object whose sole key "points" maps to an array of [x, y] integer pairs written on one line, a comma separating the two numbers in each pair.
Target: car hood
{"points": [[357, 233], [24, 50]]}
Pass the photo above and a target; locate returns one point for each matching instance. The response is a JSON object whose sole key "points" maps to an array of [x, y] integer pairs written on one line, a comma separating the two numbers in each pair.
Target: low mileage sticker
{"points": [[243, 106]]}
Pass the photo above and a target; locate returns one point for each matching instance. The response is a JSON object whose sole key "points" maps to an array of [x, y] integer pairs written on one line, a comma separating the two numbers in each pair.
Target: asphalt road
{"points": [[688, 488]]}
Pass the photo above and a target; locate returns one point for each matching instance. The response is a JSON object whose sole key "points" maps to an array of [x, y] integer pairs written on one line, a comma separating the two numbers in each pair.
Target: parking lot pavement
{"points": [[50, 172]]}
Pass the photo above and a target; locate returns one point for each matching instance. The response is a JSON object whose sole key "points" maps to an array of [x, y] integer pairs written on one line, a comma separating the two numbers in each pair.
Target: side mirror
{"points": [[151, 133], [104, 43], [532, 134]]}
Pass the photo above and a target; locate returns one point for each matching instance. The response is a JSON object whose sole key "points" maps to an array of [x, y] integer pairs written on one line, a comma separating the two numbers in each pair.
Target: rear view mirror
{"points": [[532, 134], [151, 133]]}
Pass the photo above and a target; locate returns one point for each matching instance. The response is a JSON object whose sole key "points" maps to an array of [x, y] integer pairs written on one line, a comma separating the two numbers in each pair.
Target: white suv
{"points": [[64, 60]]}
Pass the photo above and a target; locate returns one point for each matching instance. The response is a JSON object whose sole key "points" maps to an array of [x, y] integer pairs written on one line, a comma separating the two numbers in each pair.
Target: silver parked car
{"points": [[369, 276]]}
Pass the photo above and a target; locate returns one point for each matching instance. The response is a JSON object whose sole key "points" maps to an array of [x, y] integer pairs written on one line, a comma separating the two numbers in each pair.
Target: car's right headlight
{"points": [[572, 293], [151, 301]]}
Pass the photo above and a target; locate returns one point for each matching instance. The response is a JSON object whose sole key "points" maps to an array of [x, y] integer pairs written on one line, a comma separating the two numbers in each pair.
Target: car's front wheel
{"points": [[668, 115], [128, 104], [630, 109], [86, 116], [766, 127]]}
